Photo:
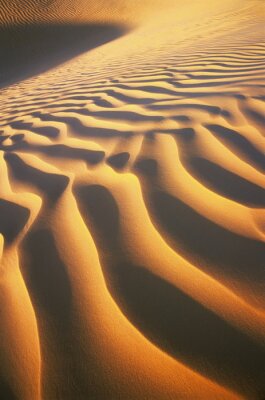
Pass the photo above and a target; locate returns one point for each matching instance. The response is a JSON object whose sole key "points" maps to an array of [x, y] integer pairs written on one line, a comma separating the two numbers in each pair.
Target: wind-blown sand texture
{"points": [[132, 198]]}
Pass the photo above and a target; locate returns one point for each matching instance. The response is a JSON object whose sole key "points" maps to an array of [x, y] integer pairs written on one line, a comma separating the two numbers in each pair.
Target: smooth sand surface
{"points": [[132, 200]]}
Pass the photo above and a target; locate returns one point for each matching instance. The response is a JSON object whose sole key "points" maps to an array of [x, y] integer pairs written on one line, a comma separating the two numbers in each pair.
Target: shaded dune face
{"points": [[29, 50], [38, 35], [161, 311], [132, 194]]}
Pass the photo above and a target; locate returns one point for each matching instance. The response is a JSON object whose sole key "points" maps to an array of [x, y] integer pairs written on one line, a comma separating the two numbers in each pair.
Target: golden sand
{"points": [[132, 198]]}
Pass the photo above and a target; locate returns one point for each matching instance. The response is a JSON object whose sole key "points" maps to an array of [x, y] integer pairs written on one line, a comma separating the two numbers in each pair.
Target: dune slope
{"points": [[132, 200]]}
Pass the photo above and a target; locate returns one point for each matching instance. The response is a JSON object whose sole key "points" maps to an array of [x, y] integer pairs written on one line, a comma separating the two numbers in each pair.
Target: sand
{"points": [[132, 196]]}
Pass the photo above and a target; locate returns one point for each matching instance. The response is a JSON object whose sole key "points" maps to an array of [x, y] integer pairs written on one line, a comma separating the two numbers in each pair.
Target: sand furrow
{"points": [[132, 200]]}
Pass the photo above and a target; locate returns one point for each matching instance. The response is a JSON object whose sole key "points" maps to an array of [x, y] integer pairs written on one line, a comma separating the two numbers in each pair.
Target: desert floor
{"points": [[132, 200]]}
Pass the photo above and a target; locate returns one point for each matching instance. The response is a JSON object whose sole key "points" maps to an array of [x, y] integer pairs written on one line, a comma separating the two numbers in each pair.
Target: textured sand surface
{"points": [[132, 200]]}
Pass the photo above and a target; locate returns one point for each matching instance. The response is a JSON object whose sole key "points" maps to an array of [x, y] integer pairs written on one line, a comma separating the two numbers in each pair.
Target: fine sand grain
{"points": [[132, 200]]}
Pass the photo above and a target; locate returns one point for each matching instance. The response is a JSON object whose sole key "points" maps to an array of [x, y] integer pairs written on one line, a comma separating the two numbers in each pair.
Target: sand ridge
{"points": [[132, 197]]}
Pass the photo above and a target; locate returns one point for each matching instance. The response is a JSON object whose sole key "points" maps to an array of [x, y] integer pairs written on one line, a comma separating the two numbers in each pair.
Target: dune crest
{"points": [[132, 200]]}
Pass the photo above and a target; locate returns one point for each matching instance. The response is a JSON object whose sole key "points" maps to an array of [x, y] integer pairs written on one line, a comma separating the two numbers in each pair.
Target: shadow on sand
{"points": [[28, 50], [227, 183], [13, 218], [164, 314], [6, 391], [205, 242]]}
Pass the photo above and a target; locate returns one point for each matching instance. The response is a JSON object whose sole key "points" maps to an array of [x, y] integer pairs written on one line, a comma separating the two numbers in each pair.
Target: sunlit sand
{"points": [[132, 200]]}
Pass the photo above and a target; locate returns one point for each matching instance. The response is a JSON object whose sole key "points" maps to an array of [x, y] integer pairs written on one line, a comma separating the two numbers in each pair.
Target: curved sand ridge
{"points": [[132, 210]]}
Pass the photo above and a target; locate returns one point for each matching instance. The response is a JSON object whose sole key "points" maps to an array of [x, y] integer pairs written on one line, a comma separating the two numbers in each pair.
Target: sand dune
{"points": [[132, 200]]}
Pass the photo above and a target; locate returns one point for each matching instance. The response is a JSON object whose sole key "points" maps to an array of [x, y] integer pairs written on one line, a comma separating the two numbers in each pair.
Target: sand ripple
{"points": [[132, 212]]}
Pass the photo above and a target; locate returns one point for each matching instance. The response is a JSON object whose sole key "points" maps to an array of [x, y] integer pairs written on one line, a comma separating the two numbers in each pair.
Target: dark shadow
{"points": [[186, 134], [49, 287], [148, 89], [255, 117], [103, 212], [226, 182], [126, 116], [261, 98], [210, 246], [17, 137], [27, 50], [165, 315], [3, 138], [207, 84], [6, 392], [52, 185], [91, 157], [47, 278], [63, 151], [185, 329], [20, 125], [13, 218], [48, 131], [214, 110], [79, 128], [119, 160], [181, 118], [128, 99], [239, 144], [146, 166], [114, 114]]}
